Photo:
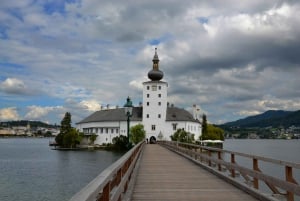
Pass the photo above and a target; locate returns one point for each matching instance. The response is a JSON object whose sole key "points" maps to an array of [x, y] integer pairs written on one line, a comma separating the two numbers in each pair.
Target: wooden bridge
{"points": [[178, 171]]}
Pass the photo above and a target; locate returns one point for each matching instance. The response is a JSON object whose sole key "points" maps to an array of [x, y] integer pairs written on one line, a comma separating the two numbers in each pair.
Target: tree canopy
{"points": [[68, 137], [137, 133], [182, 136], [120, 143], [213, 133]]}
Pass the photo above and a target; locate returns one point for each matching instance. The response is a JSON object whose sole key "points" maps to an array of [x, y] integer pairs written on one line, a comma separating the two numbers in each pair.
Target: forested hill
{"points": [[33, 124], [274, 118]]}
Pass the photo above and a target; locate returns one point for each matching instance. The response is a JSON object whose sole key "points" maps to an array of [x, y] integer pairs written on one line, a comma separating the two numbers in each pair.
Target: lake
{"points": [[31, 171]]}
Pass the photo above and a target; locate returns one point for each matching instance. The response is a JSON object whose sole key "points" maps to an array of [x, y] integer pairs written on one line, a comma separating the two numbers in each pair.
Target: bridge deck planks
{"points": [[164, 175]]}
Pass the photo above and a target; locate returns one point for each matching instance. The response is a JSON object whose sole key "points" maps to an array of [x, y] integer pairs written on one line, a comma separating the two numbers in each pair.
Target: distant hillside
{"points": [[33, 124], [274, 118]]}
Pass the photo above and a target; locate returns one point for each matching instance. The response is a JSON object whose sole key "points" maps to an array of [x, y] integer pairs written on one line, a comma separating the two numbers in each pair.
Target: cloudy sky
{"points": [[232, 58]]}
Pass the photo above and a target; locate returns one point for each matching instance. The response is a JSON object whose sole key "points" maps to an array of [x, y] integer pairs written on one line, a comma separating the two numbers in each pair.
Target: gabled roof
{"points": [[117, 114], [178, 114]]}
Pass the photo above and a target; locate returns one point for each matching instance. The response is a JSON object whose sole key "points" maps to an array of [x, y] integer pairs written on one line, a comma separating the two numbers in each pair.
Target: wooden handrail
{"points": [[252, 175], [112, 183]]}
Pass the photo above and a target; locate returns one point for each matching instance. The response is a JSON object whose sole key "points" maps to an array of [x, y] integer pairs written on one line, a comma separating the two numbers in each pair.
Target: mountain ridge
{"points": [[270, 118]]}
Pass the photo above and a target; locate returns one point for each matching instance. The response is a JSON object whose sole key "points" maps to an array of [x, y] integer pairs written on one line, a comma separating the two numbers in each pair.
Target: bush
{"points": [[120, 143], [182, 136]]}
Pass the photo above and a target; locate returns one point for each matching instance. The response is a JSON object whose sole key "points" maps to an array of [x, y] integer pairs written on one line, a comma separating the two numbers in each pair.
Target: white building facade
{"points": [[160, 120]]}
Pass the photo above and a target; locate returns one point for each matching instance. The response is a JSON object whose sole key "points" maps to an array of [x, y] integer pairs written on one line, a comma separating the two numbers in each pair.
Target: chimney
{"points": [[196, 112]]}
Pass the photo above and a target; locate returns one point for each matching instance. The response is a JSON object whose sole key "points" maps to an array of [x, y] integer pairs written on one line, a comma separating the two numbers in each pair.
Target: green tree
{"points": [[182, 136], [213, 133], [65, 124], [120, 143], [68, 137], [137, 133], [204, 125], [93, 138]]}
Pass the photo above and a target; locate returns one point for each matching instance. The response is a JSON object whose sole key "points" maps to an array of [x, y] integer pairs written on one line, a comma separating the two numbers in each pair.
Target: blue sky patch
{"points": [[154, 42], [57, 6], [202, 20], [15, 13], [164, 38], [3, 34], [54, 7]]}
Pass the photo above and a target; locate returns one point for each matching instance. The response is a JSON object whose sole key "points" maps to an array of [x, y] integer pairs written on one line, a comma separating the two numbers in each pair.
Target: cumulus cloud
{"points": [[231, 58], [90, 105], [37, 112], [13, 86], [10, 113]]}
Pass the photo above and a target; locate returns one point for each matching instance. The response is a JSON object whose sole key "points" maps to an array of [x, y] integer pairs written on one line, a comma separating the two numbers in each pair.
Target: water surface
{"points": [[31, 171]]}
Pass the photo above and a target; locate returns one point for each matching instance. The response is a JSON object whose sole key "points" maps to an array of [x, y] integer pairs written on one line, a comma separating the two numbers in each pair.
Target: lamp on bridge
{"points": [[128, 112]]}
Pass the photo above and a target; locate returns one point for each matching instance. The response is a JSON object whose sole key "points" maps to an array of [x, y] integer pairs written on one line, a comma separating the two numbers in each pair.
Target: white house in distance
{"points": [[160, 119]]}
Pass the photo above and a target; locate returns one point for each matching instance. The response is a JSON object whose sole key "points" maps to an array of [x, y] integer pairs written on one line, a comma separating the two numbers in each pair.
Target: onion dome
{"points": [[155, 74]]}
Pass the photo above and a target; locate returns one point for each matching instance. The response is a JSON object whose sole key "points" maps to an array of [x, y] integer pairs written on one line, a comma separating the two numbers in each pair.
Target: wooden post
{"points": [[233, 162], [209, 161], [255, 168], [201, 154], [105, 193], [220, 158], [289, 178]]}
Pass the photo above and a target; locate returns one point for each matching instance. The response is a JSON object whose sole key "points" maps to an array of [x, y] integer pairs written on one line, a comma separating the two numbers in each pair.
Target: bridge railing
{"points": [[112, 183], [222, 161]]}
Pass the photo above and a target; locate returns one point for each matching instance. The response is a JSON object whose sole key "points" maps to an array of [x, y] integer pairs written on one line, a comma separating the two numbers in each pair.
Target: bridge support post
{"points": [[255, 167], [209, 161], [289, 178], [105, 193], [233, 162], [220, 158]]}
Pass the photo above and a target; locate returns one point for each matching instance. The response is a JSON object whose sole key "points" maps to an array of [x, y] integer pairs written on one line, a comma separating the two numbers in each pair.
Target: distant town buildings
{"points": [[7, 130]]}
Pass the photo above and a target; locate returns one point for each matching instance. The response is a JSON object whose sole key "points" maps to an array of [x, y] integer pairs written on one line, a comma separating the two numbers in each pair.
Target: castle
{"points": [[160, 119]]}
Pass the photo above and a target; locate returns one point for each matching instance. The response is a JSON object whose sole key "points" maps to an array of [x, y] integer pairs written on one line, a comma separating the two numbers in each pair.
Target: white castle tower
{"points": [[154, 101]]}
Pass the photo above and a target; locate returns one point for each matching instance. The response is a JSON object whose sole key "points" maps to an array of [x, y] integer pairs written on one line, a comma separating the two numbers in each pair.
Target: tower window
{"points": [[154, 88], [153, 127], [147, 103], [148, 95], [159, 95], [148, 87], [159, 87], [159, 115], [159, 103], [147, 115]]}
